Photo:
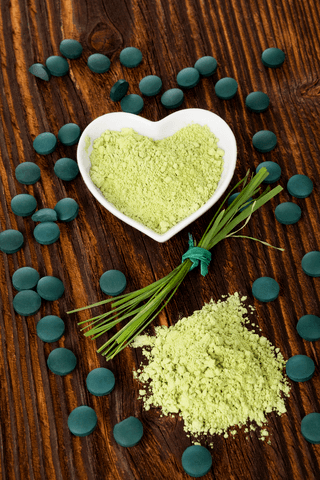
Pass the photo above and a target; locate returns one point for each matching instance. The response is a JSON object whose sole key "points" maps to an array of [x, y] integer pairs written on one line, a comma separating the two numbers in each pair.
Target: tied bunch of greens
{"points": [[143, 305]]}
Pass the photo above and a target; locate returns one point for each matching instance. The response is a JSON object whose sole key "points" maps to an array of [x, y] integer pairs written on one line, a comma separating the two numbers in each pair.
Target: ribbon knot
{"points": [[196, 255]]}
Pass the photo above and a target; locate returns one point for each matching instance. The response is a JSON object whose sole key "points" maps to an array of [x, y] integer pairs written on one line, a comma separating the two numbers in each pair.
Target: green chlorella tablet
{"points": [[274, 171], [226, 88], [300, 186], [311, 264], [257, 102], [310, 427], [45, 215], [40, 71], [130, 57], [61, 361], [25, 278], [300, 368], [27, 173], [50, 328], [100, 381], [50, 288], [129, 432], [67, 209], [66, 169], [264, 141], [150, 85], [273, 57], [27, 302], [172, 98], [45, 143], [82, 421], [23, 204], [57, 66], [98, 63], [113, 282], [119, 90], [308, 327], [132, 103], [206, 66], [69, 134], [265, 289], [188, 77], [287, 213], [46, 233], [71, 48], [11, 241], [196, 461]]}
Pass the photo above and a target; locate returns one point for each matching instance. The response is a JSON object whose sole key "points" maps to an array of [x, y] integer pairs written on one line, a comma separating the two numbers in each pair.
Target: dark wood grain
{"points": [[35, 442]]}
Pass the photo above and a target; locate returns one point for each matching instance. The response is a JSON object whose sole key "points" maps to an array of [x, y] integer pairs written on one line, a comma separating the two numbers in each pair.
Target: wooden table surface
{"points": [[35, 442]]}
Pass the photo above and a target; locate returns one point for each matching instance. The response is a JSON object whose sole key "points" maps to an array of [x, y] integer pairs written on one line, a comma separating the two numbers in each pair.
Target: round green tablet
{"points": [[45, 215], [100, 381], [308, 327], [257, 102], [234, 196], [61, 361], [129, 432], [69, 134], [67, 209], [50, 328], [264, 141], [300, 186], [113, 282], [50, 288], [119, 90], [172, 98], [98, 63], [40, 71], [25, 278], [150, 85], [57, 66], [132, 103], [45, 143], [82, 421], [196, 461], [66, 169], [188, 77], [206, 66], [274, 171], [130, 57], [265, 289], [300, 368], [311, 264], [71, 48], [11, 241], [27, 302], [273, 57], [226, 88], [46, 233], [27, 173], [287, 213], [310, 427], [23, 205]]}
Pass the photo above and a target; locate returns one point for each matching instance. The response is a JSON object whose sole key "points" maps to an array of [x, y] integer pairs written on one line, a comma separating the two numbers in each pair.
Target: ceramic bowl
{"points": [[158, 130]]}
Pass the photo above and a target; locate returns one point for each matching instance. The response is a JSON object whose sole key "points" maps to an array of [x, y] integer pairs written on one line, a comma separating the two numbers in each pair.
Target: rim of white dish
{"points": [[158, 130]]}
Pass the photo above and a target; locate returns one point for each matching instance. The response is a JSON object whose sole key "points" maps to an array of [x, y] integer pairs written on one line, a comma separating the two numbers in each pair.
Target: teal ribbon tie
{"points": [[196, 255]]}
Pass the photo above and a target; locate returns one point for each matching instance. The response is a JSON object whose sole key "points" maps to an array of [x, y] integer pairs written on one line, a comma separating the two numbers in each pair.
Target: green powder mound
{"points": [[157, 182], [212, 370]]}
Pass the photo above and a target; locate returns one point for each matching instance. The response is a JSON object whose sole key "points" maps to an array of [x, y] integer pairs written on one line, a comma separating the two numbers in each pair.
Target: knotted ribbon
{"points": [[196, 255]]}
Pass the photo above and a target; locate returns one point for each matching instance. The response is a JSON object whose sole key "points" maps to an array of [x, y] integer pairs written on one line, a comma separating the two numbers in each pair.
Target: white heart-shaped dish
{"points": [[158, 130]]}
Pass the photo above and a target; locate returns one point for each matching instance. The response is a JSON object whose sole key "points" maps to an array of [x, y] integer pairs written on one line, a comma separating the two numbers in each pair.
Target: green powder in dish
{"points": [[212, 370], [157, 182]]}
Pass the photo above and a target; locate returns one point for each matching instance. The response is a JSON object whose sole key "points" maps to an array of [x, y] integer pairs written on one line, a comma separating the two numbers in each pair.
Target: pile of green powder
{"points": [[157, 182], [213, 371]]}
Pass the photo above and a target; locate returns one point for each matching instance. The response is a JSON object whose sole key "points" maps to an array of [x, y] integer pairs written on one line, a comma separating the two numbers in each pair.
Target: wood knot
{"points": [[105, 38], [311, 89]]}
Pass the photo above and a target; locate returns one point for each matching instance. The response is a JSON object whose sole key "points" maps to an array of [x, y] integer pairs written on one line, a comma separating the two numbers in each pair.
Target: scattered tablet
{"points": [[113, 282], [69, 134], [100, 381], [11, 241], [196, 461], [50, 288], [23, 205], [273, 57], [150, 85], [98, 63], [132, 103], [27, 302], [71, 48], [172, 98], [61, 361], [300, 186], [273, 169], [40, 71], [82, 421], [226, 88], [308, 327], [130, 57], [287, 213], [311, 264], [129, 432], [300, 368], [57, 66], [45, 143], [67, 209], [264, 141], [27, 173], [206, 66], [188, 77], [46, 233], [310, 427], [265, 289], [45, 215], [50, 328], [257, 102], [66, 169], [25, 278], [119, 90]]}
